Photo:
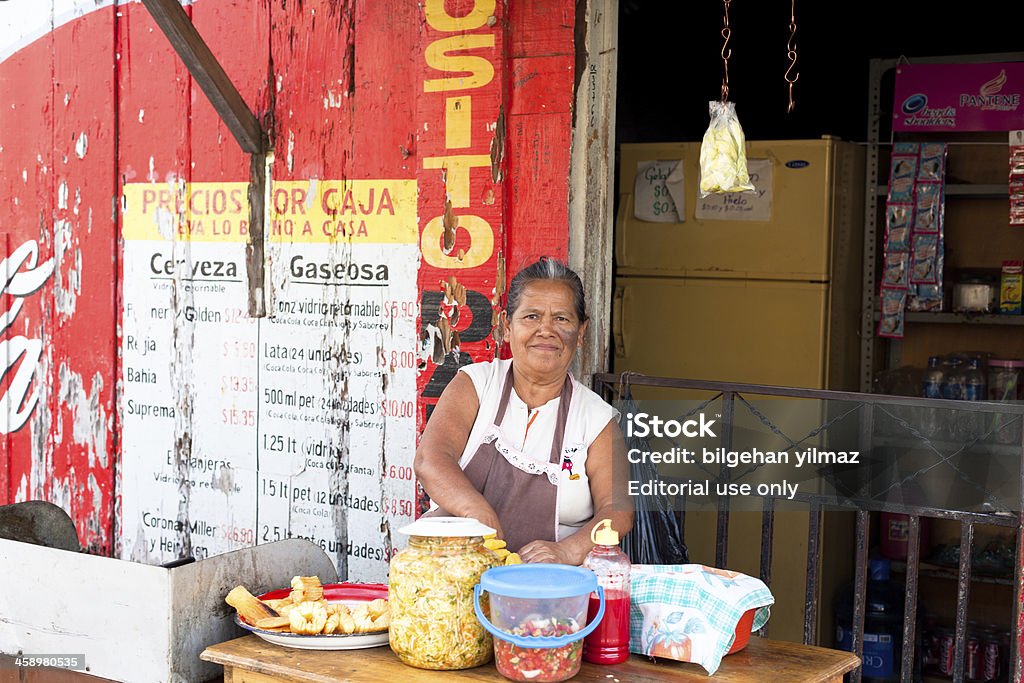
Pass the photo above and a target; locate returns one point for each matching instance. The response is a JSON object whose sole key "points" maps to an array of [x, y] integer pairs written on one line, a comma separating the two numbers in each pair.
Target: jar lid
{"points": [[1000, 363], [539, 580], [446, 526]]}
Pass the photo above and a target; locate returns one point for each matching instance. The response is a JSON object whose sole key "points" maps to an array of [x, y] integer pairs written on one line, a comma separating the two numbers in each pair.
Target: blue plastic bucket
{"points": [[538, 617]]}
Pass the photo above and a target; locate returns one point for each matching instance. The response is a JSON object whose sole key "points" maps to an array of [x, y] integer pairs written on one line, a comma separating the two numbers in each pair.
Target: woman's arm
{"points": [[608, 472], [437, 458]]}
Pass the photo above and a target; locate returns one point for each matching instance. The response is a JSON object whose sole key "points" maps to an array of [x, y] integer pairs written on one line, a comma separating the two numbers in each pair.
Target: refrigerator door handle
{"points": [[617, 335]]}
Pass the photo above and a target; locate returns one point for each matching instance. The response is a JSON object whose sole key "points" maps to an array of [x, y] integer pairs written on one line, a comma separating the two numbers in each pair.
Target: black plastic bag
{"points": [[657, 535]]}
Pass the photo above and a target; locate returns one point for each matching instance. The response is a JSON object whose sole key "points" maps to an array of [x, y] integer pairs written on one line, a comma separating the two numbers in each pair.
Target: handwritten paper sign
{"points": [[742, 206], [658, 192]]}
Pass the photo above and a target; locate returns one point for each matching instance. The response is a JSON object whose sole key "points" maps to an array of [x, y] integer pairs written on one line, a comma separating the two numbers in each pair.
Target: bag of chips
{"points": [[723, 153]]}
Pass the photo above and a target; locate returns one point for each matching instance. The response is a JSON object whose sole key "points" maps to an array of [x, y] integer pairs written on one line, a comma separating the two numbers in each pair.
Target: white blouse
{"points": [[588, 416]]}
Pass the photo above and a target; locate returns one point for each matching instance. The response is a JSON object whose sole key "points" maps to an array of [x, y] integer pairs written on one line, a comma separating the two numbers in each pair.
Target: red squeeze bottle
{"points": [[609, 642]]}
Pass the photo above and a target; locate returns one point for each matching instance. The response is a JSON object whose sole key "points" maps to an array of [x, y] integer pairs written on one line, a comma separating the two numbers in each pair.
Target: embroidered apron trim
{"points": [[520, 460]]}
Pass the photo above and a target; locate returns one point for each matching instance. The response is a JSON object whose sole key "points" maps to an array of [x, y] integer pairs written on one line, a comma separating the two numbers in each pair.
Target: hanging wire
{"points": [[791, 55], [726, 51]]}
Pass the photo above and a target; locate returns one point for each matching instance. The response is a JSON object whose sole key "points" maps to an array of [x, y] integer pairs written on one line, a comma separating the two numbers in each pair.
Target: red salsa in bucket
{"points": [[539, 664]]}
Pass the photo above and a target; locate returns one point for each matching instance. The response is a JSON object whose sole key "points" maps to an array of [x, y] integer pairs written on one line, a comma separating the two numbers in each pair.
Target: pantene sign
{"points": [[944, 97]]}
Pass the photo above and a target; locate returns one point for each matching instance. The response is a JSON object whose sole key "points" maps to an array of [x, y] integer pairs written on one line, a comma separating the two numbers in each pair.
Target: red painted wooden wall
{"points": [[470, 99]]}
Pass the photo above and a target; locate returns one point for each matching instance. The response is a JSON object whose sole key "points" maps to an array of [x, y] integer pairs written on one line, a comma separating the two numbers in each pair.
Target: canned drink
{"points": [[929, 654], [975, 662], [991, 668], [946, 652]]}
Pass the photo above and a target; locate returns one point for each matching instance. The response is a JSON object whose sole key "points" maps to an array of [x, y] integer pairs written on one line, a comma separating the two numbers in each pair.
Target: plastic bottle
{"points": [[972, 424], [953, 379], [931, 387], [609, 643], [931, 384], [975, 382], [883, 624], [952, 389]]}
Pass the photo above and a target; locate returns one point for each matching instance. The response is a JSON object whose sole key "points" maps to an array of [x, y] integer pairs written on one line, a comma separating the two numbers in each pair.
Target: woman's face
{"points": [[544, 331]]}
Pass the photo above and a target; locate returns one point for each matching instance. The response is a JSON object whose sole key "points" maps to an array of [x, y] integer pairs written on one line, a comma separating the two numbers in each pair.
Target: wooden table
{"points": [[251, 660]]}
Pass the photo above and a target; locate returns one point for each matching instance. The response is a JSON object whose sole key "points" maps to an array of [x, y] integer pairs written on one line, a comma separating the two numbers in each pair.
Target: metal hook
{"points": [[791, 55], [624, 389], [726, 50]]}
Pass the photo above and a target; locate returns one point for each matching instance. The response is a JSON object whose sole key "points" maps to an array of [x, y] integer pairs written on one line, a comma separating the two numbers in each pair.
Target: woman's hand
{"points": [[547, 551], [487, 517], [608, 470]]}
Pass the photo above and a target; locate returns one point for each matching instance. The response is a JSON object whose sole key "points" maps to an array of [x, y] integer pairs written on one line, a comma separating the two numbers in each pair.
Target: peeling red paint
{"points": [[55, 139], [450, 222], [498, 147], [103, 101]]}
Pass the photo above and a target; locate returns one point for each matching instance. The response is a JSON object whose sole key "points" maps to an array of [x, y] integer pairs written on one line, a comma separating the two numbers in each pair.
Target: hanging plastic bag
{"points": [[723, 153], [657, 535]]}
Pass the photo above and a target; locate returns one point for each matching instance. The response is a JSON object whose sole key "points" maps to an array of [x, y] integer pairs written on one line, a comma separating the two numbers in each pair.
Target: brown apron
{"points": [[525, 500]]}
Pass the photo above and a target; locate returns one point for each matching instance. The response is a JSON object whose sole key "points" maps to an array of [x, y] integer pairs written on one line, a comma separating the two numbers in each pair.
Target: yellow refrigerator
{"points": [[760, 288]]}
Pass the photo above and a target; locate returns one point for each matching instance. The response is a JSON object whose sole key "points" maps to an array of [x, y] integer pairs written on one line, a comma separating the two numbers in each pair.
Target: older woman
{"points": [[522, 446]]}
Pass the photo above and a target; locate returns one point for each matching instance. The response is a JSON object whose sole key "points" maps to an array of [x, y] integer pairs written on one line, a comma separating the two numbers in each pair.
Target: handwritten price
{"points": [[401, 309], [238, 535], [397, 360], [397, 507]]}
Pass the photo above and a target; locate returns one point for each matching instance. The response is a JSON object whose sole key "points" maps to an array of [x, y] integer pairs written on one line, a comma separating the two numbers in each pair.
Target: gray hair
{"points": [[547, 268]]}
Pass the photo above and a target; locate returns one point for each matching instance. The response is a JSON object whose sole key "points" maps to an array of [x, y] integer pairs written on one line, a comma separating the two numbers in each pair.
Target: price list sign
{"points": [[308, 429]]}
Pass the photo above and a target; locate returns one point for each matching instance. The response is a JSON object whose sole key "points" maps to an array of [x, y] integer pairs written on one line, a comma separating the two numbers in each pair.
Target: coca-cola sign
{"points": [[22, 276], [60, 263]]}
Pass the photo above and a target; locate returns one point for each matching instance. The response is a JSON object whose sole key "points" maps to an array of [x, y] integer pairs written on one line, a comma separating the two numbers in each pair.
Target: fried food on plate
{"points": [[308, 618], [273, 623], [306, 612], [248, 606]]}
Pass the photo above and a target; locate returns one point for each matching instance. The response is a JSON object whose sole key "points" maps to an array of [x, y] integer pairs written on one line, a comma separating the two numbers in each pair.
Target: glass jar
{"points": [[1004, 385], [1003, 379], [430, 593]]}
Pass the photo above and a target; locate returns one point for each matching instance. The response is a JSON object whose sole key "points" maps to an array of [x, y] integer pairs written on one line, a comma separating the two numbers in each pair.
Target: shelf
{"points": [[935, 571], [980, 448], [976, 190], [947, 318], [957, 318]]}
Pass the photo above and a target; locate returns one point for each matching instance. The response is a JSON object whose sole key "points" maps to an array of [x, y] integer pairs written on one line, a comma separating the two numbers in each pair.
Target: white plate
{"points": [[350, 594], [339, 641]]}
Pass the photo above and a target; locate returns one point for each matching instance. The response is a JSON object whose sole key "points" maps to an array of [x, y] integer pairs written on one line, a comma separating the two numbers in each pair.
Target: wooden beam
{"points": [[255, 262], [591, 187], [208, 73]]}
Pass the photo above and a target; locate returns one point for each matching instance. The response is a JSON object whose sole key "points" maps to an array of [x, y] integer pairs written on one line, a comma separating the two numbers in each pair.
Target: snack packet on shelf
{"points": [[723, 153], [1017, 177]]}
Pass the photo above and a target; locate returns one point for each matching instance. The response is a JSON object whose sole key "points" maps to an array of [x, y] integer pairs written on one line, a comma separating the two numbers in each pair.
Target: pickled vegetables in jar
{"points": [[430, 592]]}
